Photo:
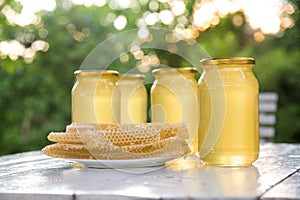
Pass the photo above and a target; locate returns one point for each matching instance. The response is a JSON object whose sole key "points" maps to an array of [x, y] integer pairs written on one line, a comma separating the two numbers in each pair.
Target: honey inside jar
{"points": [[95, 98], [174, 99], [228, 100], [133, 99]]}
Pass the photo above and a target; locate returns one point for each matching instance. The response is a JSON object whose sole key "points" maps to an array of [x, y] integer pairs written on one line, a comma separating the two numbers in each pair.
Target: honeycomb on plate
{"points": [[119, 141]]}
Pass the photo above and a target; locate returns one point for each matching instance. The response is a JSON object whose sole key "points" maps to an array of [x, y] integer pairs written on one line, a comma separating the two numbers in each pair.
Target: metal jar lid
{"points": [[132, 76], [228, 61], [176, 70], [96, 72]]}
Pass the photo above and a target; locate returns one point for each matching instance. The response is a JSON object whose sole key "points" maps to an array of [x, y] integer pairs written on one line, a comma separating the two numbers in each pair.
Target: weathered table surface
{"points": [[276, 174]]}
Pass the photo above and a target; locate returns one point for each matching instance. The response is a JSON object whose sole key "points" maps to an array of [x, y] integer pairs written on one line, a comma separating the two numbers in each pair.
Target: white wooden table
{"points": [[276, 174]]}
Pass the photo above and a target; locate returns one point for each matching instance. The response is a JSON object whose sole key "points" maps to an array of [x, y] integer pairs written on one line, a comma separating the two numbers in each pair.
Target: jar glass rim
{"points": [[228, 61]]}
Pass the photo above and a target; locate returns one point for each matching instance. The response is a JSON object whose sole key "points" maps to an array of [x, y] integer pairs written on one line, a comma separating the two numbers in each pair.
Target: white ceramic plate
{"points": [[118, 164]]}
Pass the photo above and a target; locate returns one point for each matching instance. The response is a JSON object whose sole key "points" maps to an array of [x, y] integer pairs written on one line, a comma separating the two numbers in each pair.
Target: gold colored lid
{"points": [[227, 61], [96, 72], [170, 70]]}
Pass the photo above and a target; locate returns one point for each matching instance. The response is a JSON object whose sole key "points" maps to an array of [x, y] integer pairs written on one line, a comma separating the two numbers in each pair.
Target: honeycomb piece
{"points": [[119, 141], [67, 138], [163, 148], [59, 150], [144, 133]]}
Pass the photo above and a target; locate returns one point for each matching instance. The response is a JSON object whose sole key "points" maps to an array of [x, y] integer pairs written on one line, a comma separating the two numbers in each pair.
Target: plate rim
{"points": [[128, 163]]}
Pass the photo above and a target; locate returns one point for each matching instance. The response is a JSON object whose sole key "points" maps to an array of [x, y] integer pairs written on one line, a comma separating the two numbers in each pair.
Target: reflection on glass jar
{"points": [[133, 98], [174, 99], [229, 126], [95, 97]]}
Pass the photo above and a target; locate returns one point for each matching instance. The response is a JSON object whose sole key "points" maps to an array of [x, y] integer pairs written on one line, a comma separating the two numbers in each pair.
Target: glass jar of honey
{"points": [[133, 98], [174, 99], [228, 100], [95, 97]]}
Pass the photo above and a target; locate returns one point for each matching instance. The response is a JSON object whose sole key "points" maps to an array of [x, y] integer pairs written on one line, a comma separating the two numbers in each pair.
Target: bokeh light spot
{"points": [[120, 22]]}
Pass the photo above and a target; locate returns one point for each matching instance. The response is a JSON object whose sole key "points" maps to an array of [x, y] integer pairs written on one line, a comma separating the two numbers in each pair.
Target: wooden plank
{"points": [[268, 96], [267, 132], [267, 107], [267, 119]]}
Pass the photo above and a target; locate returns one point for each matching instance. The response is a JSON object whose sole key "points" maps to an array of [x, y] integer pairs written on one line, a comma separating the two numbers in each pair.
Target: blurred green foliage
{"points": [[35, 98]]}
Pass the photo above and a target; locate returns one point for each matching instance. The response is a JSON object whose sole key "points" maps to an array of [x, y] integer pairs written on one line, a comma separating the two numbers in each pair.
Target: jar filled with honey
{"points": [[229, 123], [174, 99], [133, 98], [95, 97]]}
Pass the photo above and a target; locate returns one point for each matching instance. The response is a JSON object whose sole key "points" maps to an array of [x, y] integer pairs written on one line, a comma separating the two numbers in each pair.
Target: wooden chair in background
{"points": [[267, 115]]}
